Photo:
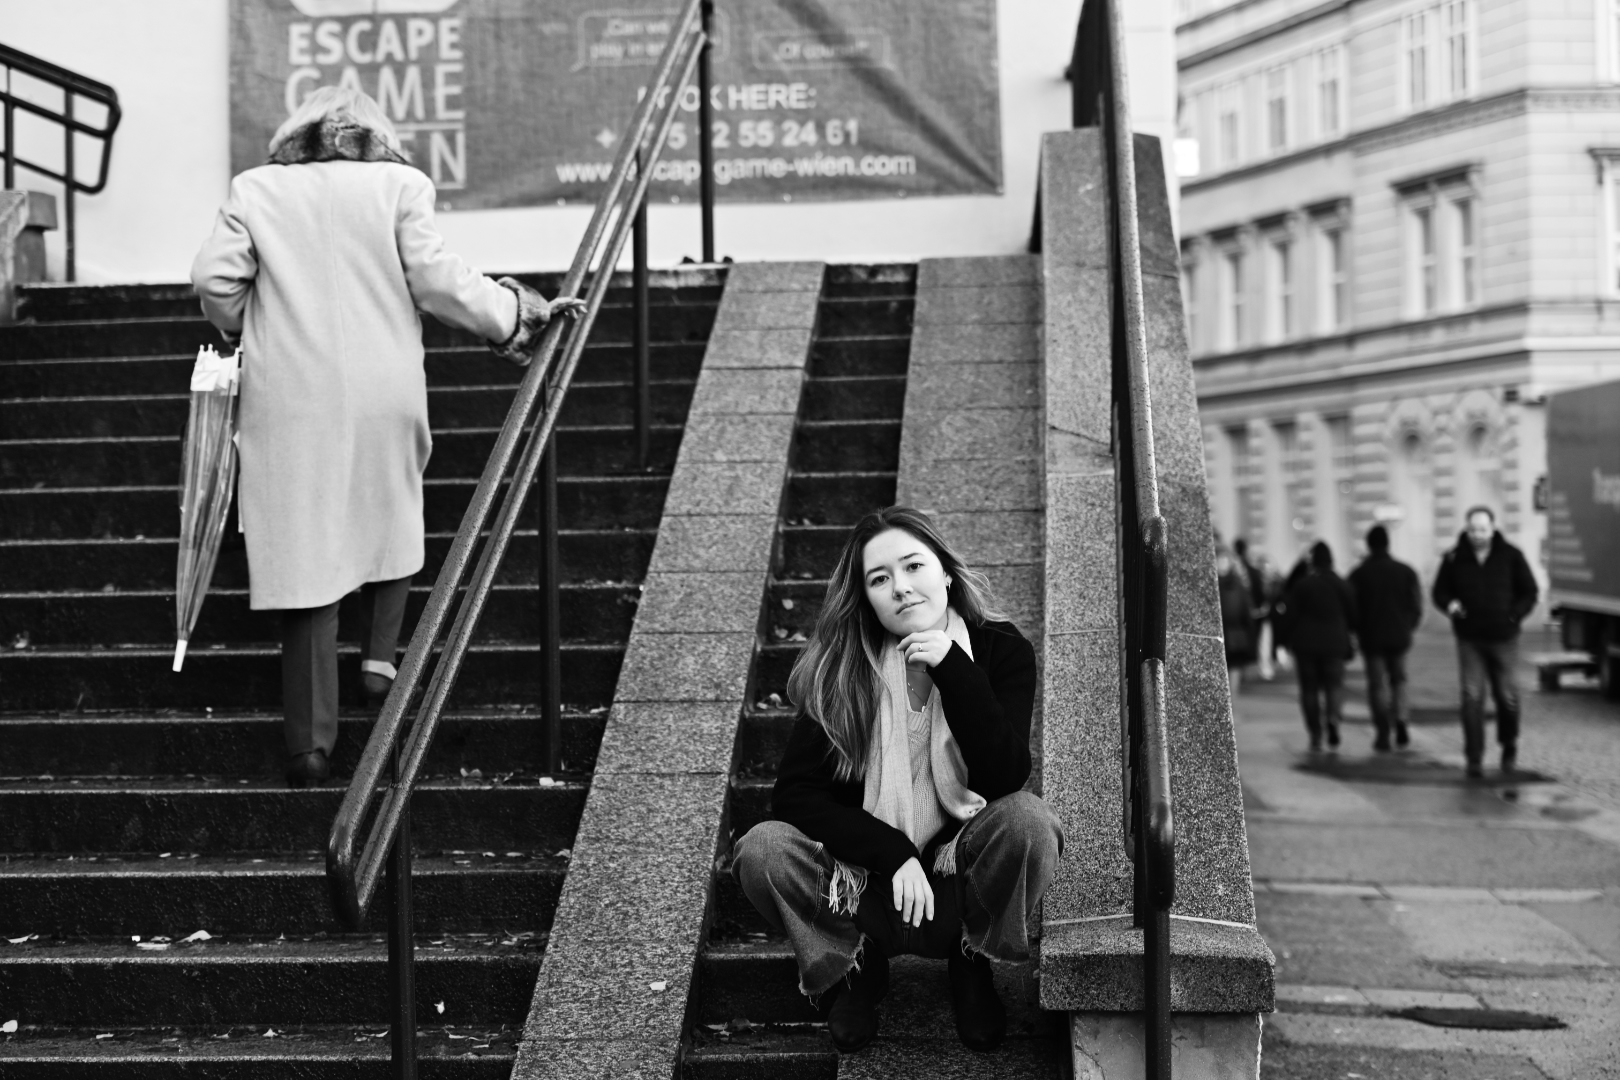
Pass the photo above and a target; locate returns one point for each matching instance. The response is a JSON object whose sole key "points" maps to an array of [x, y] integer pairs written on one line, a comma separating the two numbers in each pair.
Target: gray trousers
{"points": [[309, 675], [1006, 857]]}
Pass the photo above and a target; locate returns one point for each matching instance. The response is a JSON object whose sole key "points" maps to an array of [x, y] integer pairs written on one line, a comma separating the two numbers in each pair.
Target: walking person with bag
{"points": [[1389, 606], [899, 820], [1485, 587], [319, 263], [1321, 616]]}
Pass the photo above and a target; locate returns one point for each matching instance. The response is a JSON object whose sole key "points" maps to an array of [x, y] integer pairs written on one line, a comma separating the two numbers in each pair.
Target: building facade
{"points": [[1403, 232]]}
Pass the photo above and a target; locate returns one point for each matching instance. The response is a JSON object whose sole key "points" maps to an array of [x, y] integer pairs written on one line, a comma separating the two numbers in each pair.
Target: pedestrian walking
{"points": [[1259, 605], [319, 263], [1485, 587], [1237, 615], [1321, 617], [899, 820], [1389, 607]]}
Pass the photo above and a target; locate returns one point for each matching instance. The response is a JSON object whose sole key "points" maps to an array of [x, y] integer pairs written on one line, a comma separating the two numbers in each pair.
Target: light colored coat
{"points": [[322, 268]]}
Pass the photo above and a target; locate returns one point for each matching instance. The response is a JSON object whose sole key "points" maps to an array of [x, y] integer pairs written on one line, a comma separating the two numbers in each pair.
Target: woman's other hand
{"points": [[564, 305], [925, 646], [913, 898]]}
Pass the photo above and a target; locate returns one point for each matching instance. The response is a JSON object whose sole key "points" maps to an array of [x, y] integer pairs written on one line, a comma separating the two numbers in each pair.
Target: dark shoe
{"points": [[1403, 738], [1381, 744], [981, 1018], [374, 688], [308, 769], [1510, 760], [853, 1021], [1476, 771], [1333, 735], [1316, 744]]}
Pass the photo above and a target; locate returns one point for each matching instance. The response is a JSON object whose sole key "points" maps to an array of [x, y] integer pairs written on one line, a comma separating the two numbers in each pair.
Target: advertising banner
{"points": [[522, 102]]}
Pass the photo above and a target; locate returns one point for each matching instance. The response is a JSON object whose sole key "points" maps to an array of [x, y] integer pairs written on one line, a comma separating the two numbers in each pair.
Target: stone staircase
{"points": [[139, 804]]}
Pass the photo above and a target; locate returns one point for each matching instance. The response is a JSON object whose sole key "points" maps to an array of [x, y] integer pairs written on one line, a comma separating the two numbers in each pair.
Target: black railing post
{"points": [[706, 130], [11, 124], [401, 948], [643, 332], [68, 215], [550, 612]]}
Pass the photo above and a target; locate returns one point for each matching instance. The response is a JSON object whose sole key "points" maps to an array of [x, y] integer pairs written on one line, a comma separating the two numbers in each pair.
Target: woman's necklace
{"points": [[918, 686]]}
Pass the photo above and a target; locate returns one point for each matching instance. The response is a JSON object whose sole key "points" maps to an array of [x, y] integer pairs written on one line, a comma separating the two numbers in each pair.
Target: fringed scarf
{"points": [[888, 769], [333, 139]]}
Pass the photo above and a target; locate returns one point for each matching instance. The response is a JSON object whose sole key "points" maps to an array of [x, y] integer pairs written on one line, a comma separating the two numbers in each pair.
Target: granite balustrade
{"points": [[612, 995]]}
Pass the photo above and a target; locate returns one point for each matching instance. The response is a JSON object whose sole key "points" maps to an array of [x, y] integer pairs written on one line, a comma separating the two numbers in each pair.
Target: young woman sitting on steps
{"points": [[900, 820]]}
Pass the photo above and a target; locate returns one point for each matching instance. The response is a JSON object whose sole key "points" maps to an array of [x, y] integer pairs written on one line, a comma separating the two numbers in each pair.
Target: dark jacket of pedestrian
{"points": [[1238, 626], [1495, 594], [1321, 613], [1389, 603]]}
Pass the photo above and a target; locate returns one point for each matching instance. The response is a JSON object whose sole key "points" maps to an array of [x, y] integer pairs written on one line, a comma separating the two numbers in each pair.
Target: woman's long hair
{"points": [[835, 678], [345, 104]]}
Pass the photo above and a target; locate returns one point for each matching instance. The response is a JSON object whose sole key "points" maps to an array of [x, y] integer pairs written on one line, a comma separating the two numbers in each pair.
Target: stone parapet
{"points": [[1090, 958], [25, 217], [613, 989]]}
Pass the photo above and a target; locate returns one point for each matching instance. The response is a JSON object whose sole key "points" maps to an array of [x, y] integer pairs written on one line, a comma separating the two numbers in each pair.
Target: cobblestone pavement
{"points": [[1387, 883]]}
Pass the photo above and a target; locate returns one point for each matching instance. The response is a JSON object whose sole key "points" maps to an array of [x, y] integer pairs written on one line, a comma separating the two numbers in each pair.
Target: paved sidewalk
{"points": [[1390, 882]]}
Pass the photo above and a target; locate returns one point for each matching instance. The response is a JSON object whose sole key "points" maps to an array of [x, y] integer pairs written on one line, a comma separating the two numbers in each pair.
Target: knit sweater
{"points": [[987, 699]]}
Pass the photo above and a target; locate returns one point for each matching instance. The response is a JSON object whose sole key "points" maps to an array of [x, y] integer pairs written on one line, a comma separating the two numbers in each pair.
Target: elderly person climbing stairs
{"points": [[319, 263]]}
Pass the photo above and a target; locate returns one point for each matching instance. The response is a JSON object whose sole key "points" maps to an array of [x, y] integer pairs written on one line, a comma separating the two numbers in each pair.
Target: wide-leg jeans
{"points": [[1006, 856]]}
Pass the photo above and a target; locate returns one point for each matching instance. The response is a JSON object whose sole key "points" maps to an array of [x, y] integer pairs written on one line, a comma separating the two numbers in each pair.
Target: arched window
{"points": [[1411, 490], [1479, 471]]}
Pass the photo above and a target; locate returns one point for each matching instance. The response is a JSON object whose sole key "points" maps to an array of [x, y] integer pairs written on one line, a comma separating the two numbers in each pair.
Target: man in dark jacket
{"points": [[1486, 588], [1321, 615], [1389, 606]]}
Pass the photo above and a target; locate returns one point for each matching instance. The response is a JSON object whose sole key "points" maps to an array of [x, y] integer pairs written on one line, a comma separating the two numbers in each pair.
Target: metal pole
{"points": [[642, 333], [550, 613], [401, 949], [706, 132], [1156, 990], [67, 182], [11, 169]]}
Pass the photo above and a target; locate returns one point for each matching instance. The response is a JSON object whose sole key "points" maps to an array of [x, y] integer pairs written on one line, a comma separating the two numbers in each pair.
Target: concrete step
{"points": [[255, 1052], [599, 613], [239, 677], [140, 461], [271, 982], [873, 354], [586, 555], [597, 502], [235, 895], [668, 361], [486, 407], [762, 739], [845, 445], [834, 498], [853, 397], [218, 815], [772, 666], [863, 316], [166, 335], [493, 741], [781, 1051], [58, 302]]}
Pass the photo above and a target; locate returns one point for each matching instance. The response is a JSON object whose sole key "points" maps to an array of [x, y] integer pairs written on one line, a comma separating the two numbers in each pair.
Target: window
{"points": [[1612, 175], [1277, 110], [1189, 302], [1423, 297], [1333, 481], [1417, 60], [1237, 441], [1285, 522], [1464, 269], [1235, 311], [1608, 223], [1455, 16], [1328, 120], [1333, 278], [1280, 290], [1230, 133]]}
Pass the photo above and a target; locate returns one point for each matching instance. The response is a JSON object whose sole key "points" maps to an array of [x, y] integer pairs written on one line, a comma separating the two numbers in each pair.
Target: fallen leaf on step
{"points": [[9, 1027], [786, 603], [152, 946], [105, 1035], [24, 939], [271, 1033], [200, 935], [660, 985], [438, 1007]]}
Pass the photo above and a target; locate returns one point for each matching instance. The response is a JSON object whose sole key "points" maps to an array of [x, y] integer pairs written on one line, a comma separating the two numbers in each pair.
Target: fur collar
{"points": [[333, 140]]}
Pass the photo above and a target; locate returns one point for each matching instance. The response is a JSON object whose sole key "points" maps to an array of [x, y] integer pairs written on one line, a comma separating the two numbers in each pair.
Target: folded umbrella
{"points": [[207, 480]]}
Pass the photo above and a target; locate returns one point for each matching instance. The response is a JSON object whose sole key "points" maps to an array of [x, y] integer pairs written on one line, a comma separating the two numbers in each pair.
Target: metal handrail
{"points": [[72, 85], [1101, 99], [376, 805]]}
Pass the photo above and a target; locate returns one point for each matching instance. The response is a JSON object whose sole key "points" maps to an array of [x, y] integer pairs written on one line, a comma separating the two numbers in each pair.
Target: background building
{"points": [[1403, 232]]}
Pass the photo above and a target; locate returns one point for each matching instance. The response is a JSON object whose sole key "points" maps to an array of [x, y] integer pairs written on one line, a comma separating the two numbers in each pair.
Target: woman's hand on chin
{"points": [[925, 646], [913, 898]]}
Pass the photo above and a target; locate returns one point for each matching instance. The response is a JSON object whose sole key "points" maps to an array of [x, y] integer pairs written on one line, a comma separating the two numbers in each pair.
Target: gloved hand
{"points": [[534, 312]]}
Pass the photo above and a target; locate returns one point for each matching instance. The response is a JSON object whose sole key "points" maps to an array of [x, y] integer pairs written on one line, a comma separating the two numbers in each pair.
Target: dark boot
{"points": [[1332, 735], [308, 769], [981, 1018], [1510, 758], [1403, 737], [853, 1021]]}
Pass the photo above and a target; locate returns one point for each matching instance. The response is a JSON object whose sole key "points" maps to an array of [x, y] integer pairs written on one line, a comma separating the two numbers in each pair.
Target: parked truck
{"points": [[1583, 531]]}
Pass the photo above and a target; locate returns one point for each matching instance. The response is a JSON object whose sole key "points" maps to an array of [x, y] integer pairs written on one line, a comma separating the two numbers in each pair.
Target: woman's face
{"points": [[905, 583]]}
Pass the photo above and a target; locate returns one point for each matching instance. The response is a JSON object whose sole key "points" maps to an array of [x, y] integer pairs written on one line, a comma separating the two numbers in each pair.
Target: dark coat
{"points": [[1237, 617], [987, 699], [1389, 603], [1321, 614], [1496, 595]]}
